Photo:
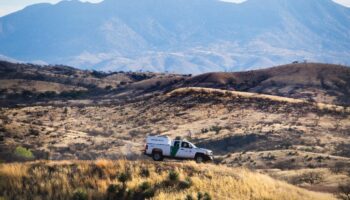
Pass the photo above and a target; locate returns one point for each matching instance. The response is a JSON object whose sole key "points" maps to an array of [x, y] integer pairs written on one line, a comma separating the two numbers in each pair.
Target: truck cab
{"points": [[159, 147]]}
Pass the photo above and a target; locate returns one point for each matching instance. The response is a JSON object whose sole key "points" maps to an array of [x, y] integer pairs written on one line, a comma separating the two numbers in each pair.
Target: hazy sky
{"points": [[9, 6]]}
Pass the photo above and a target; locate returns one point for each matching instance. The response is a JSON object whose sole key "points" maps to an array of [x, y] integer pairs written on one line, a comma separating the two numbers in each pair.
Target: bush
{"points": [[114, 191], [199, 195], [23, 153], [308, 177], [130, 194], [187, 183], [112, 188], [313, 177], [173, 175], [205, 196], [178, 138], [149, 193], [216, 129], [124, 177], [144, 186], [108, 87], [344, 191], [47, 95], [189, 197], [340, 167], [33, 132], [144, 172], [204, 130], [80, 194], [144, 191]]}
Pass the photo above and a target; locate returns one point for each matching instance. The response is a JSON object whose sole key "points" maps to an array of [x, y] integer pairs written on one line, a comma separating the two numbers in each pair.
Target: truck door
{"points": [[174, 150], [185, 151]]}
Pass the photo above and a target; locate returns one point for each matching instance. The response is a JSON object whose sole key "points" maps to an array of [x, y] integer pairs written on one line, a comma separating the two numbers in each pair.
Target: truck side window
{"points": [[185, 145]]}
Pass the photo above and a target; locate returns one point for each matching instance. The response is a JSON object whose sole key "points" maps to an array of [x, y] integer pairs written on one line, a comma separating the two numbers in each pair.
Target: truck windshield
{"points": [[193, 146]]}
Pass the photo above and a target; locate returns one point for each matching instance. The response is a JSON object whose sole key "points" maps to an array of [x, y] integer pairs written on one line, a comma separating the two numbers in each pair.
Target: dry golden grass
{"points": [[235, 93], [59, 180], [256, 96], [116, 131], [18, 85]]}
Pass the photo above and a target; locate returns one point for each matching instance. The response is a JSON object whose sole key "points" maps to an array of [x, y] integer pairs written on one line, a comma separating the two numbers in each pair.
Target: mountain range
{"points": [[182, 36]]}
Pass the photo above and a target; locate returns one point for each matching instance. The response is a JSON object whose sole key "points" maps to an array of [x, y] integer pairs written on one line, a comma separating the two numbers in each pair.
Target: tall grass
{"points": [[249, 95], [101, 180]]}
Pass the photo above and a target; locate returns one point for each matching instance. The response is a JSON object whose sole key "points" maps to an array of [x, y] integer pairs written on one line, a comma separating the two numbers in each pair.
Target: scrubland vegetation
{"points": [[290, 123], [104, 179]]}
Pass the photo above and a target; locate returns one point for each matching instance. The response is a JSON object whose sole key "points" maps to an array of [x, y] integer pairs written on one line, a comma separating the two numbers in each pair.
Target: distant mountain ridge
{"points": [[183, 36]]}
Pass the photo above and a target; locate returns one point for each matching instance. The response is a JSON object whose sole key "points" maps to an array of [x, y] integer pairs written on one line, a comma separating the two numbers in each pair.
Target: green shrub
{"points": [[114, 191], [23, 153], [125, 177], [144, 191], [129, 194], [144, 186], [187, 183], [199, 195], [173, 175], [189, 197], [216, 129], [33, 132], [144, 172], [112, 188], [204, 130], [149, 193], [206, 196], [80, 194]]}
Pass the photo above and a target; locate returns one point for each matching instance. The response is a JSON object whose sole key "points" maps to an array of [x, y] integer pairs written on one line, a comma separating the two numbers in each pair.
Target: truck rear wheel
{"points": [[157, 156], [199, 158]]}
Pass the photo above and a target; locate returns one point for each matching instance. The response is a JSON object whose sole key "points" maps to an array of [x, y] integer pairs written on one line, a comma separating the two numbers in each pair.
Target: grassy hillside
{"points": [[309, 81], [105, 179], [270, 120]]}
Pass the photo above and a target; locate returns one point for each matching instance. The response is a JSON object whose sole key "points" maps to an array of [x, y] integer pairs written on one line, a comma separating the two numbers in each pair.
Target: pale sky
{"points": [[9, 6]]}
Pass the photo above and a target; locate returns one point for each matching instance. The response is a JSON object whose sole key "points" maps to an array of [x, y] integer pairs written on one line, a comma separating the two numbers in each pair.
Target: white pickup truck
{"points": [[159, 147]]}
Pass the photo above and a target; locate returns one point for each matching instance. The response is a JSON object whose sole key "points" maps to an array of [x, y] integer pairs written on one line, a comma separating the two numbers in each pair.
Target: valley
{"points": [[263, 120]]}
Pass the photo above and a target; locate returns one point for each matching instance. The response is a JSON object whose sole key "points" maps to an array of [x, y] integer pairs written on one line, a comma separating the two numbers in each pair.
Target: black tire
{"points": [[157, 156], [199, 158]]}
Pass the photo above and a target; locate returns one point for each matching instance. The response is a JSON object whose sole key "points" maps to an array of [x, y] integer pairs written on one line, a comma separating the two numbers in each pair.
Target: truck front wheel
{"points": [[157, 156], [199, 158]]}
